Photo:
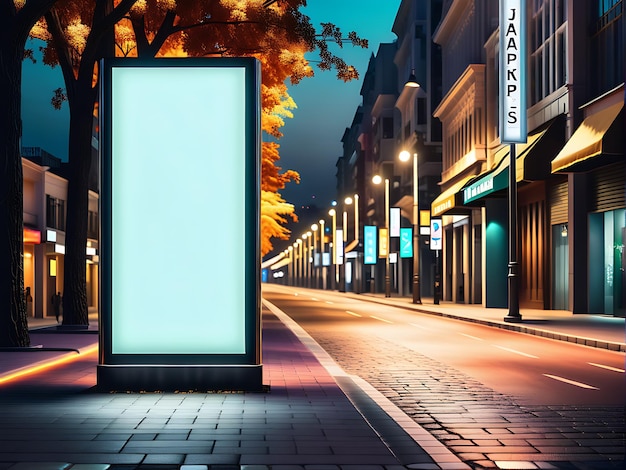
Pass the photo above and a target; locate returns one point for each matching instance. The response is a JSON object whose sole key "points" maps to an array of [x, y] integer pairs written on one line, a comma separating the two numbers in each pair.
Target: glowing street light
{"points": [[405, 157], [333, 214], [377, 179]]}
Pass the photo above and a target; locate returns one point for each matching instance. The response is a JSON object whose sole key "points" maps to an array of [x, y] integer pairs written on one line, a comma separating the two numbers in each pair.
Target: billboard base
{"points": [[165, 378]]}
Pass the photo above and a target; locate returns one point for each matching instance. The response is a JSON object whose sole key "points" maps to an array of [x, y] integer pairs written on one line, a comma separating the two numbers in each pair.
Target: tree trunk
{"points": [[75, 308], [13, 321]]}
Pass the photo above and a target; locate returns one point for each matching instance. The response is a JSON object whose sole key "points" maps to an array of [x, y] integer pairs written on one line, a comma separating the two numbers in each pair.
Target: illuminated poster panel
{"points": [[406, 242], [436, 234], [180, 196], [369, 244], [512, 71], [394, 222]]}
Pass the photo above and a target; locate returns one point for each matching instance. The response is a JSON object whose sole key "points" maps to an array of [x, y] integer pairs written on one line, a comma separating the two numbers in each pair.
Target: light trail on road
{"points": [[602, 366], [571, 382], [514, 351], [380, 319]]}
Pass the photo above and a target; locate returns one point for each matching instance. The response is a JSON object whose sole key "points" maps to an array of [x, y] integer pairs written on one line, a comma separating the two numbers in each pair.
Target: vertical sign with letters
{"points": [[406, 242], [512, 71], [369, 244]]}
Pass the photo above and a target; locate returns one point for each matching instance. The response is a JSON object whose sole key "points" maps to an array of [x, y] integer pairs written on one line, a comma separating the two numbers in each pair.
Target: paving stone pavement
{"points": [[55, 420], [486, 429]]}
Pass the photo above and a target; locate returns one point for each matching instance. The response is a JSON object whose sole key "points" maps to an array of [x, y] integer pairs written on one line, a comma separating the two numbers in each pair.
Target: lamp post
{"points": [[333, 214], [322, 270], [312, 250], [417, 298], [300, 263], [377, 180], [294, 250], [307, 258], [356, 275]]}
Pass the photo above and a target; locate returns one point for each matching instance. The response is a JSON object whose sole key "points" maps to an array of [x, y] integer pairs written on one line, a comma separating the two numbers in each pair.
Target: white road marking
{"points": [[472, 337], [330, 303], [602, 366], [516, 352], [313, 298], [419, 326], [571, 382], [381, 319], [353, 314]]}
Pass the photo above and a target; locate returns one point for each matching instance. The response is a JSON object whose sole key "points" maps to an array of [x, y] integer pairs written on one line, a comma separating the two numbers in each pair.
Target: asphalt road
{"points": [[481, 390]]}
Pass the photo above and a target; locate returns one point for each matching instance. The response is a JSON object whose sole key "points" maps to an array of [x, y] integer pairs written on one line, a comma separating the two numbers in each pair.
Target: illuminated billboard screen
{"points": [[180, 209]]}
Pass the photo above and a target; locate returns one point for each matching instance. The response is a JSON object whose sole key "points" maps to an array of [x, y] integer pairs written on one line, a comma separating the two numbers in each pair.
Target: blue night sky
{"points": [[312, 139]]}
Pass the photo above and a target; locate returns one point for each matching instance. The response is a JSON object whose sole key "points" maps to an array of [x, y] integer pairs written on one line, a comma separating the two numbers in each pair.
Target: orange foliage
{"points": [[275, 32]]}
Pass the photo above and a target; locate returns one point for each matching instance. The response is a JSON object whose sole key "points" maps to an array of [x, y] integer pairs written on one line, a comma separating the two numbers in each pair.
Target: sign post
{"points": [[513, 122], [180, 154], [436, 243]]}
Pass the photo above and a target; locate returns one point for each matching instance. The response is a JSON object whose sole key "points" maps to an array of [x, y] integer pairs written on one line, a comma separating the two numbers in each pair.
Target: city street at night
{"points": [[354, 383]]}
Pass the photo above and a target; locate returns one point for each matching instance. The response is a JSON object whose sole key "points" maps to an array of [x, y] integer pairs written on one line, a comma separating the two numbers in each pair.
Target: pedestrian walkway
{"points": [[314, 416], [599, 331]]}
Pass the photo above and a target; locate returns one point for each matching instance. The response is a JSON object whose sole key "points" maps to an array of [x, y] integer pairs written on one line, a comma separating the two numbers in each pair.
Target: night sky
{"points": [[312, 139]]}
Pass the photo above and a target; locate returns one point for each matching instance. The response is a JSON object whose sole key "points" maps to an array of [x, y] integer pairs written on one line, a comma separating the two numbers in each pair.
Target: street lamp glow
{"points": [[404, 156], [348, 200], [377, 179], [314, 227], [332, 212]]}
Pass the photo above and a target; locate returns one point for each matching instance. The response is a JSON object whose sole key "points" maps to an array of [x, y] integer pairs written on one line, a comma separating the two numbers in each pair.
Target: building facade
{"points": [[45, 196], [570, 172]]}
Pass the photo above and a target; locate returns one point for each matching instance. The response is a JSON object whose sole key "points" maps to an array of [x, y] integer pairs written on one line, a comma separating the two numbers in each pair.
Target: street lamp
{"points": [[300, 263], [322, 269], [307, 258], [312, 250], [333, 214], [295, 264], [377, 179], [412, 81], [357, 274], [417, 299]]}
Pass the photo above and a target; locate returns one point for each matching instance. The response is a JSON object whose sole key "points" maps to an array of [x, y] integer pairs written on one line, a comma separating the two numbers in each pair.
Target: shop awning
{"points": [[599, 134], [451, 199], [532, 162]]}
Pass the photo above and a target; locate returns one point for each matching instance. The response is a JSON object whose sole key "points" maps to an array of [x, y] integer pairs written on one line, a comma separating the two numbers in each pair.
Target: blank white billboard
{"points": [[181, 186]]}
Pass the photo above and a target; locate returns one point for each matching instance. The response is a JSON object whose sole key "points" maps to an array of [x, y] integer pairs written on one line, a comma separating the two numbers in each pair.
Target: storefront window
{"points": [[607, 280]]}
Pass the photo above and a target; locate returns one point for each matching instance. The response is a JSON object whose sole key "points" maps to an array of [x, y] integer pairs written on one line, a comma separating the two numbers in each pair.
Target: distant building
{"points": [[45, 206]]}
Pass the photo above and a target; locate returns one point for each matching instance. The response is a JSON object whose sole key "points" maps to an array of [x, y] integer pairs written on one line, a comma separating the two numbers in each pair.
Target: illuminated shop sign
{"points": [[478, 189], [512, 71]]}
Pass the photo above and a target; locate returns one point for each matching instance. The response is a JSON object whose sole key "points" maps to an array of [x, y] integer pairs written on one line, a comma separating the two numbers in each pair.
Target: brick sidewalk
{"points": [[54, 420]]}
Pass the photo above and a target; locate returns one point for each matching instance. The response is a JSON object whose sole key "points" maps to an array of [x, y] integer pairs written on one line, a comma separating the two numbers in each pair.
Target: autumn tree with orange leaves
{"points": [[79, 33]]}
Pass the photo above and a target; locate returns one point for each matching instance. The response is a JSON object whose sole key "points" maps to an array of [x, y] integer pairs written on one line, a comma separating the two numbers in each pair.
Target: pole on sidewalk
{"points": [[514, 313]]}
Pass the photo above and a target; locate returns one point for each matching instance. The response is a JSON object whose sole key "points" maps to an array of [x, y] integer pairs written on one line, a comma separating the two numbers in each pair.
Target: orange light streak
{"points": [[30, 370]]}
